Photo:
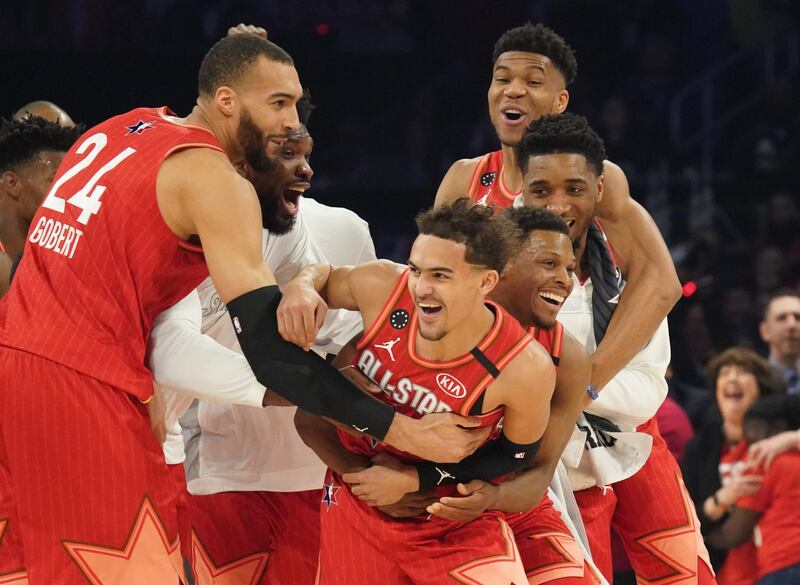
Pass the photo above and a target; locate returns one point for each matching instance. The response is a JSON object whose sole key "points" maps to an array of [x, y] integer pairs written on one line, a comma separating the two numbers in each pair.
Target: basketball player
{"points": [[44, 109], [30, 152], [255, 486], [81, 474], [532, 68], [532, 288], [561, 160], [432, 343]]}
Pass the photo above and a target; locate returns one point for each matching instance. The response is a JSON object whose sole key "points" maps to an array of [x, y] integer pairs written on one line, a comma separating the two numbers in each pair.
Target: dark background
{"points": [[401, 92]]}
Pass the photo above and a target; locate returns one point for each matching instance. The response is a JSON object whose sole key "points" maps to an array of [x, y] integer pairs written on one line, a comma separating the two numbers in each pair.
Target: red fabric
{"points": [[361, 545], [79, 464], [551, 339], [674, 426], [548, 550], [282, 528], [415, 386], [487, 186], [778, 500], [741, 564], [654, 517], [88, 296]]}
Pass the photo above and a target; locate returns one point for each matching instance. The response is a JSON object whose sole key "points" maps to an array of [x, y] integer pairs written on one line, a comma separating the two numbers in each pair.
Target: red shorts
{"points": [[360, 545], [655, 519], [548, 549], [259, 537], [86, 494]]}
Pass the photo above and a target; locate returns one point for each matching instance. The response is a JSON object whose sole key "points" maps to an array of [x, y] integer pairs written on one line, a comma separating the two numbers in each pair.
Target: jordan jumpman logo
{"points": [[388, 346], [444, 475]]}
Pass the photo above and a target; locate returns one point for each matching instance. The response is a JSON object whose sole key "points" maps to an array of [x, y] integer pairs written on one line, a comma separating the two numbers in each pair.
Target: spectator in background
{"points": [[780, 330], [715, 457], [769, 516]]}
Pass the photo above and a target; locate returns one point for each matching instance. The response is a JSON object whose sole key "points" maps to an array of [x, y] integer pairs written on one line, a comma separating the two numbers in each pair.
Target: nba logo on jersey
{"points": [[237, 325]]}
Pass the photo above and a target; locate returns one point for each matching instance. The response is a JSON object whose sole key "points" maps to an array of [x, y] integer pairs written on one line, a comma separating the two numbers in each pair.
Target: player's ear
{"points": [[226, 100], [489, 281], [10, 183], [600, 186], [561, 101]]}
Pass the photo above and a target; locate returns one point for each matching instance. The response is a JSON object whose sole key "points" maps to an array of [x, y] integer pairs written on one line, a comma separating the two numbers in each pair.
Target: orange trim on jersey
{"points": [[501, 363], [165, 114], [558, 340], [189, 247], [476, 174], [434, 365], [368, 335], [2, 248], [501, 183]]}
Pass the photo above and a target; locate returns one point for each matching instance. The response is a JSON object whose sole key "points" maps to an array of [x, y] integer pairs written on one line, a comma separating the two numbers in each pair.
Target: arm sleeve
{"points": [[491, 461], [634, 395], [191, 363], [301, 377]]}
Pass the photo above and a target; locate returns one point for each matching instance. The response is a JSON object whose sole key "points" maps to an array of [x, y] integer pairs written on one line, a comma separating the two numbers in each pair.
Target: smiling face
{"points": [[538, 279], [524, 87], [447, 290], [736, 391], [288, 176], [567, 185]]}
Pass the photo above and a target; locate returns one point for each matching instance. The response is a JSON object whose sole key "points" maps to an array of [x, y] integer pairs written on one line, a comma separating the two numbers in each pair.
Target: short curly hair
{"points": [[22, 140], [491, 239], [561, 133], [529, 219], [537, 38]]}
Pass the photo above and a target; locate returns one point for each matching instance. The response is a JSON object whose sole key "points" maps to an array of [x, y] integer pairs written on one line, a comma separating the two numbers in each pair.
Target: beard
{"points": [[253, 143], [273, 221]]}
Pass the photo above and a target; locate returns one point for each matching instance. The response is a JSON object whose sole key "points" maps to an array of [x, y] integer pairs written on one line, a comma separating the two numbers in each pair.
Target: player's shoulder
{"points": [[199, 166], [533, 362], [381, 273], [616, 192], [456, 181]]}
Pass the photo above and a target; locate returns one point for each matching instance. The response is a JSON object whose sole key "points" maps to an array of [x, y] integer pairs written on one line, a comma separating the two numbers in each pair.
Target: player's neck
{"points": [[459, 341], [581, 260], [13, 236], [512, 178], [201, 117]]}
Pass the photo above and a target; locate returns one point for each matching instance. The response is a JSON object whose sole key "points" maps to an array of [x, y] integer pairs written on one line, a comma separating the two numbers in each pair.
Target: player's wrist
{"points": [[401, 433]]}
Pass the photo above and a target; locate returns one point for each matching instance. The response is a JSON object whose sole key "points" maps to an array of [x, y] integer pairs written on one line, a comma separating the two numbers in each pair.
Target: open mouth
{"points": [[551, 298], [429, 308], [291, 199], [733, 393], [514, 116]]}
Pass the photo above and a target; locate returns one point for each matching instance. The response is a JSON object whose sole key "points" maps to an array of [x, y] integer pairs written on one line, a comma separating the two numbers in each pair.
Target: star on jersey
{"points": [[148, 555], [329, 494], [399, 318], [487, 179], [373, 442], [387, 346], [245, 571], [139, 127], [18, 577]]}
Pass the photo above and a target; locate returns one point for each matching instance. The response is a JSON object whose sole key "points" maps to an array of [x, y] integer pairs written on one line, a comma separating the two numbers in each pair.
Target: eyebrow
{"points": [[529, 66], [433, 269], [545, 182], [282, 94]]}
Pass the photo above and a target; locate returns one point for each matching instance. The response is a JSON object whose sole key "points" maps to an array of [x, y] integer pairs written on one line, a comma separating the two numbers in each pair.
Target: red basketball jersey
{"points": [[551, 339], [100, 263], [415, 386], [486, 186]]}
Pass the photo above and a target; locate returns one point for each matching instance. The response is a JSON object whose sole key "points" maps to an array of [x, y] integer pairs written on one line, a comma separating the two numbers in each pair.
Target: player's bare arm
{"points": [[389, 480], [652, 287], [524, 491], [455, 183], [321, 437], [436, 437]]}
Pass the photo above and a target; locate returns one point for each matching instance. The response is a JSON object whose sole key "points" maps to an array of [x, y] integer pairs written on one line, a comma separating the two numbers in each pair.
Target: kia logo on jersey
{"points": [[451, 386]]}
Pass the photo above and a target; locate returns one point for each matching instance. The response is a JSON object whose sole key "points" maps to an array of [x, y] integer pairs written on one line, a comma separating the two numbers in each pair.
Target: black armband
{"points": [[493, 460], [301, 377]]}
